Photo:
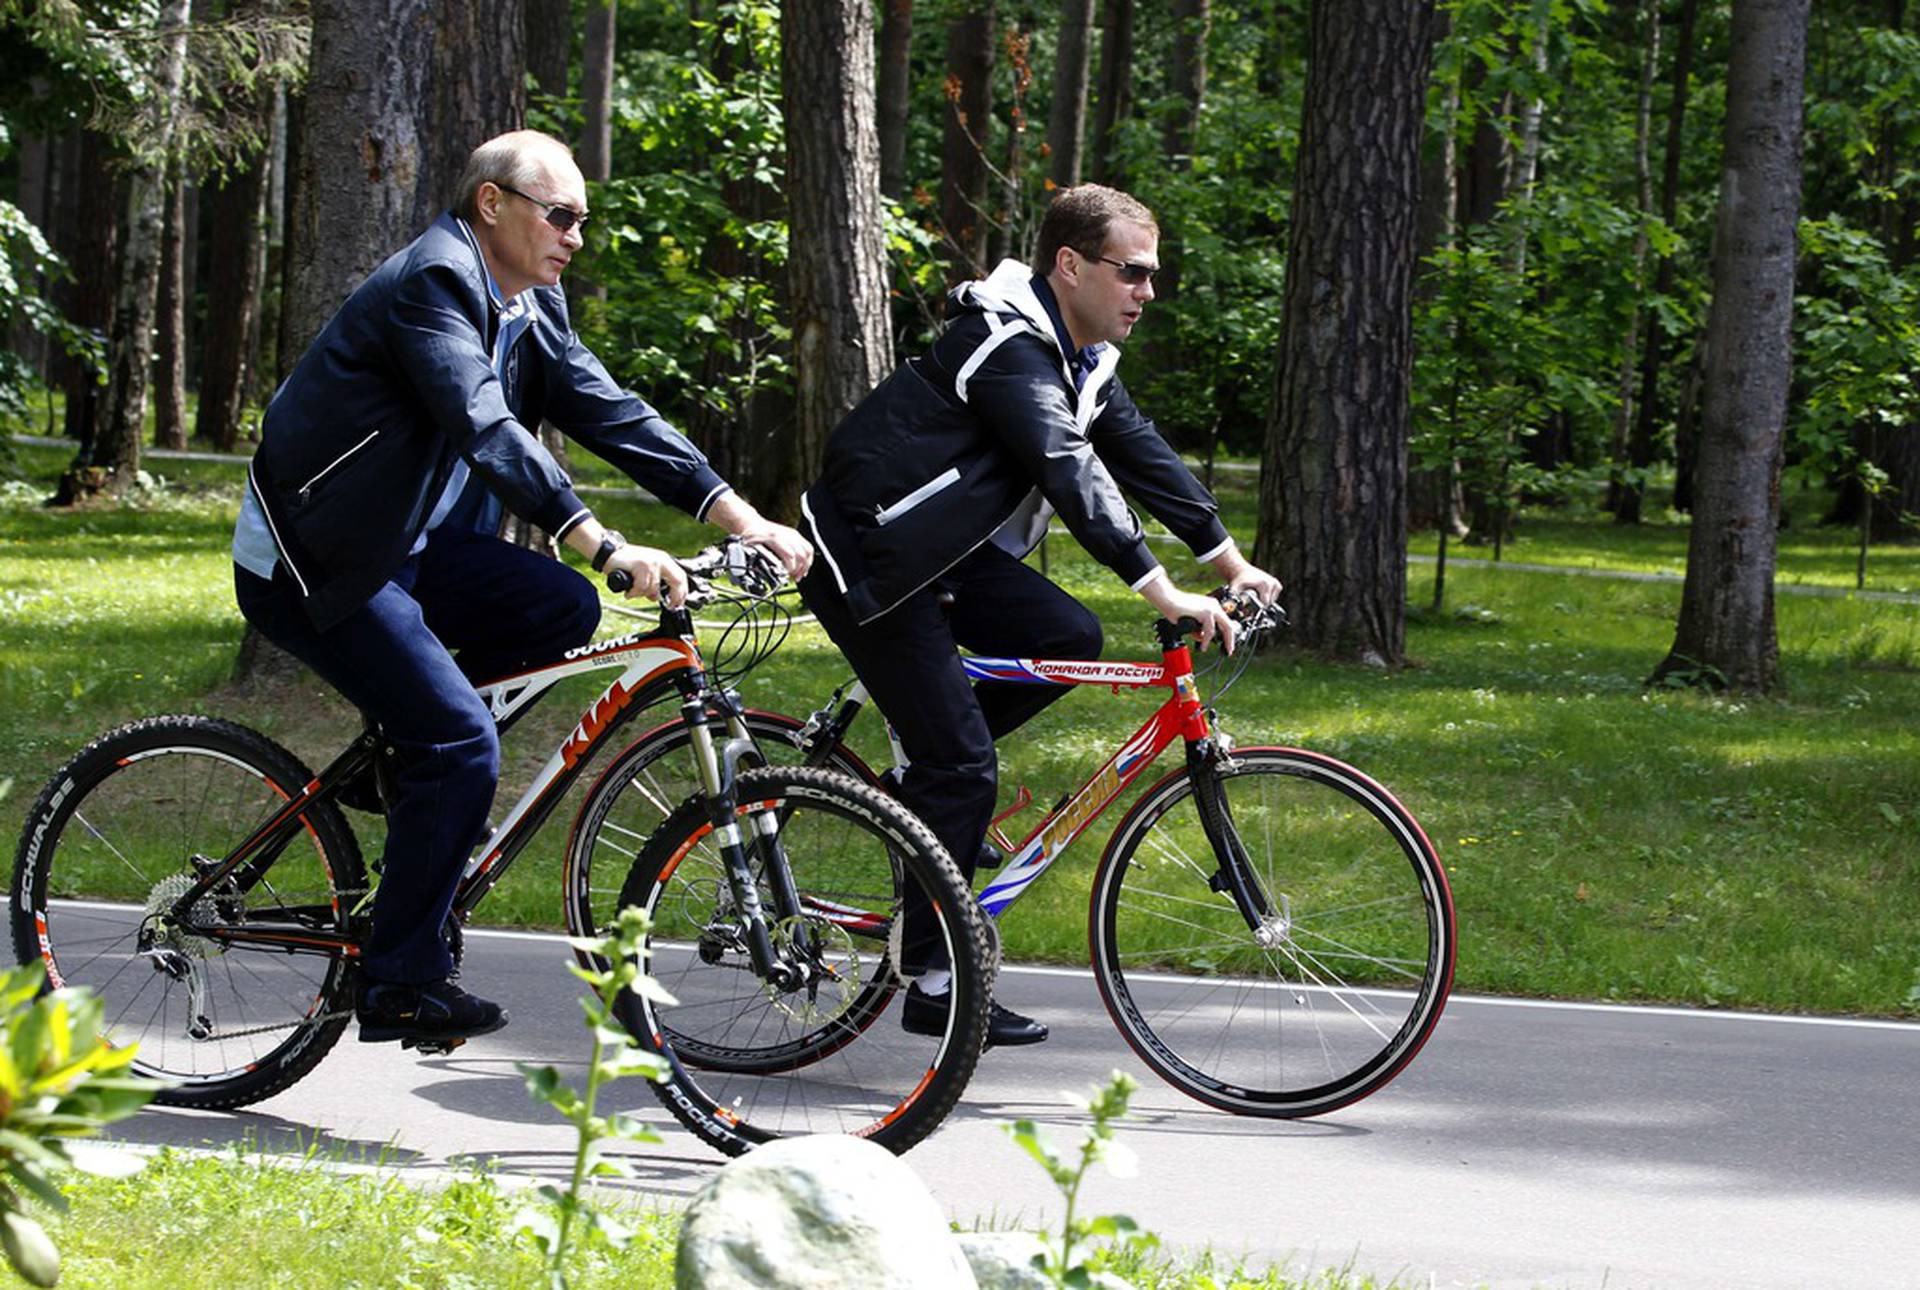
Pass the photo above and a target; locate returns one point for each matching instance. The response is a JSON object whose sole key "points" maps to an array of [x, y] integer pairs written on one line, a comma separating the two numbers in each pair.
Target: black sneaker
{"points": [[926, 1014], [437, 1011]]}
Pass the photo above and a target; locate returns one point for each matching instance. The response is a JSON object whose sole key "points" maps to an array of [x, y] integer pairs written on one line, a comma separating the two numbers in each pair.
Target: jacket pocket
{"points": [[306, 490], [939, 483]]}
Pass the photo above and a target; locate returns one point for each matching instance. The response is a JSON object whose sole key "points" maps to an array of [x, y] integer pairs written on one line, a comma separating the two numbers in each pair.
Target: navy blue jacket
{"points": [[358, 442]]}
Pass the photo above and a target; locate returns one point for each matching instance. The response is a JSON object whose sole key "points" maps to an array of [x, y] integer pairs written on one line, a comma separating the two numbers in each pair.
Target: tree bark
{"points": [[1726, 633], [894, 94], [1187, 76], [596, 134], [963, 155], [170, 320], [234, 282], [1333, 489], [837, 260], [36, 185], [1067, 118], [1527, 156], [115, 458], [549, 42], [1643, 187], [1114, 102], [87, 235], [1655, 352]]}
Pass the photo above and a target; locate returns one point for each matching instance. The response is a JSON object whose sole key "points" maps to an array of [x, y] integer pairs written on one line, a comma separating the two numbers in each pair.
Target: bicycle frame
{"points": [[652, 666], [1181, 718]]}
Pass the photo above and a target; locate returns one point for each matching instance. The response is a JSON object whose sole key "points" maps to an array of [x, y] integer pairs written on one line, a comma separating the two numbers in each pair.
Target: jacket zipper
{"points": [[307, 488], [888, 514]]}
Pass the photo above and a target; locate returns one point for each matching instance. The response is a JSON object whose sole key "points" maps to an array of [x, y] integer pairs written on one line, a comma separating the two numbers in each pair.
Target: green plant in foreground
{"points": [[615, 968], [59, 1079], [1107, 1106]]}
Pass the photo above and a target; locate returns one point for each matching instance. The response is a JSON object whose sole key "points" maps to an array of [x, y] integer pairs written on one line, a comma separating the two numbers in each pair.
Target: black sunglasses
{"points": [[1131, 274], [561, 217]]}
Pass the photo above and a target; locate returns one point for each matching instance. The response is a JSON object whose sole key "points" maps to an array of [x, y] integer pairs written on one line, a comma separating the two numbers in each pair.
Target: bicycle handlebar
{"points": [[749, 568]]}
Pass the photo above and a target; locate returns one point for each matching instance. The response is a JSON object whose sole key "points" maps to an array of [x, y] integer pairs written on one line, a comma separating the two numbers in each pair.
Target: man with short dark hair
{"points": [[366, 545], [943, 478]]}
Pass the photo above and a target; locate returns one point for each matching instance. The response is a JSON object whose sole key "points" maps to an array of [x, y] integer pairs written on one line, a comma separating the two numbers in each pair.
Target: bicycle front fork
{"points": [[1234, 878]]}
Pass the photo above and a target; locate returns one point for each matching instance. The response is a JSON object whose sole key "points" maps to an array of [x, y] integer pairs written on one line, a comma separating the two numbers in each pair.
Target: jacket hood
{"points": [[1007, 290]]}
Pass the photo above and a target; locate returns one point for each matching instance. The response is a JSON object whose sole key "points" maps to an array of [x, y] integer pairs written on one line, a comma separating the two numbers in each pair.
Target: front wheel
{"points": [[1322, 996], [825, 1051], [115, 840]]}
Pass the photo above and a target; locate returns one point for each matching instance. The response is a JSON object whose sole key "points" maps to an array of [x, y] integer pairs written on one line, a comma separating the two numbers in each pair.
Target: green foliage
{"points": [[613, 970], [1107, 1106], [59, 1079], [24, 257]]}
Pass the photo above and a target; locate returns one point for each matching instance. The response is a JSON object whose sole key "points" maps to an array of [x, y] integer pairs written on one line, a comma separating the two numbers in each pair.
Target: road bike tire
{"points": [[750, 1062], [1341, 984], [109, 841], [636, 793]]}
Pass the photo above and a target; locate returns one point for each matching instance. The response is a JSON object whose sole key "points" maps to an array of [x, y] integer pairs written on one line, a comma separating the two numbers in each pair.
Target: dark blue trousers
{"points": [[909, 660], [468, 608]]}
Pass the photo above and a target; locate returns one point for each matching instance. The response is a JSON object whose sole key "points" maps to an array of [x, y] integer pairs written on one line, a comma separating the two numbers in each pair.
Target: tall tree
{"points": [[963, 153], [837, 260], [170, 318], [115, 457], [87, 236], [1333, 486], [893, 94], [1655, 351], [1649, 14], [1113, 101], [237, 215], [1726, 633], [1187, 76], [549, 42], [1067, 118]]}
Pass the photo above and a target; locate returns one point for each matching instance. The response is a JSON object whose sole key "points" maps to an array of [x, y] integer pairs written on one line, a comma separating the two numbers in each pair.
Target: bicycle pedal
{"points": [[432, 1047]]}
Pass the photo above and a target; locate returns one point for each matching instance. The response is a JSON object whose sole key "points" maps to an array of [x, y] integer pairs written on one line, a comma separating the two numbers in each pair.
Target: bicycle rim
{"points": [[752, 1062], [1331, 993], [110, 844]]}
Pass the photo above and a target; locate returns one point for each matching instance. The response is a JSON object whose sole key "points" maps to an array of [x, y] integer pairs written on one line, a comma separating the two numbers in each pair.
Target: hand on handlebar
{"points": [[1207, 615], [647, 571]]}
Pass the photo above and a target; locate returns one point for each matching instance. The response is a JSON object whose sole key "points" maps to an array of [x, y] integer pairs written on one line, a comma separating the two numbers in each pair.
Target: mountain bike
{"points": [[1270, 929], [208, 886]]}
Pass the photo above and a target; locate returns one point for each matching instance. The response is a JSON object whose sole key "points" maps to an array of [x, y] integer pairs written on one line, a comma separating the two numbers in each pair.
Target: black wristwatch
{"points": [[610, 542]]}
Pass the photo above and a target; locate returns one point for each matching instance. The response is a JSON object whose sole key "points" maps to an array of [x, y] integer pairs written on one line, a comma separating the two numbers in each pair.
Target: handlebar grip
{"points": [[619, 580]]}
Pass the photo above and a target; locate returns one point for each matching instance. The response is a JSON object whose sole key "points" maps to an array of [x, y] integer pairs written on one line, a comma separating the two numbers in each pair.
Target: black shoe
{"points": [[434, 1012], [926, 1014]]}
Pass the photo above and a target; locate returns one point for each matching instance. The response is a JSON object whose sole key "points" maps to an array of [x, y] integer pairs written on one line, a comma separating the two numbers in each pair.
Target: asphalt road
{"points": [[1528, 1145]]}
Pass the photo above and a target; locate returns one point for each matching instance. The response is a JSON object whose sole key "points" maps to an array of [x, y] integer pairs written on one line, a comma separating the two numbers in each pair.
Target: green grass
{"points": [[265, 1224], [1604, 841]]}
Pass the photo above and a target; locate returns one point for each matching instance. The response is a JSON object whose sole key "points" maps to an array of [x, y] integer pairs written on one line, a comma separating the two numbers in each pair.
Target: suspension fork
{"points": [[1235, 877], [718, 768]]}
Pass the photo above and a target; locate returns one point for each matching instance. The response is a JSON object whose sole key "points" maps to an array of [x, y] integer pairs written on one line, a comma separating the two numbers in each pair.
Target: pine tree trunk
{"points": [[1643, 184], [170, 322], [115, 458], [1726, 632], [1655, 352], [1067, 119], [837, 260], [234, 284], [963, 156], [549, 41], [1113, 103], [1187, 79], [87, 235], [36, 173], [894, 94], [595, 153], [1333, 490]]}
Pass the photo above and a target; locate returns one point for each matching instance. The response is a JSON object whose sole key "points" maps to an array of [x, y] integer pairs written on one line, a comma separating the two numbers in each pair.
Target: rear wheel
{"points": [[752, 1060], [1314, 1003], [114, 840]]}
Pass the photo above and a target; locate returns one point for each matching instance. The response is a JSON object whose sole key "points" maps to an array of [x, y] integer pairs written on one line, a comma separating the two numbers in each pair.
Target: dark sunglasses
{"points": [[1131, 274], [561, 217]]}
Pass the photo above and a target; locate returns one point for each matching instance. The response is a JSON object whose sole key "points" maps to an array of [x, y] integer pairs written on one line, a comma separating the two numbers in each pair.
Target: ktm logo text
{"points": [[604, 710]]}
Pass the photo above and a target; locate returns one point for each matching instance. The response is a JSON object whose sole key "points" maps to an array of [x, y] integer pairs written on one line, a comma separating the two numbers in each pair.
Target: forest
{"points": [[1430, 264]]}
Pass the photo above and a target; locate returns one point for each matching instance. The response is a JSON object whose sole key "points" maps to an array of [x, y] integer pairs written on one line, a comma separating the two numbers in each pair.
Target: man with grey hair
{"points": [[943, 478], [366, 545]]}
